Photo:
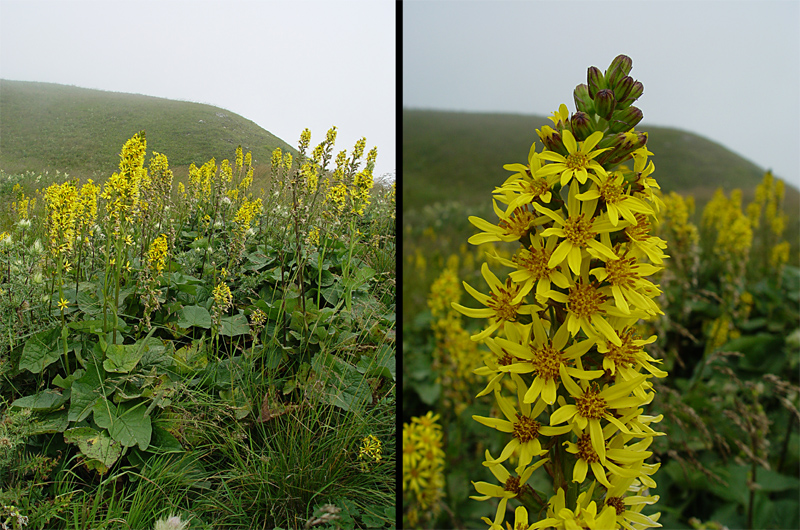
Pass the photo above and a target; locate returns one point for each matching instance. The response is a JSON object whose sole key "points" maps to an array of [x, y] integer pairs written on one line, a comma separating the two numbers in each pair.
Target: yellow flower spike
{"points": [[577, 163]]}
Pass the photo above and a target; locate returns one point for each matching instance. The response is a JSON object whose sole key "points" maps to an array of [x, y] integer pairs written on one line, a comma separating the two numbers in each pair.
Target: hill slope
{"points": [[461, 155], [50, 126]]}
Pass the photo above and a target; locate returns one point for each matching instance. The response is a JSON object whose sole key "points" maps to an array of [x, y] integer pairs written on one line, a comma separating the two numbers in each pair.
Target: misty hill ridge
{"points": [[464, 154], [51, 126]]}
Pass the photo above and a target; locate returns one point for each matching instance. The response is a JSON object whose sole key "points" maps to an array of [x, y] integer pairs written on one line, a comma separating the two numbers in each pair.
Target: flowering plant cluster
{"points": [[423, 468], [569, 373]]}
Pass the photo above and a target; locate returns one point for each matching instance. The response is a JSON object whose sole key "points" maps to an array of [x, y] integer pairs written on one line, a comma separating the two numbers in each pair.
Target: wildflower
{"points": [[577, 163], [223, 299], [423, 464], [523, 426], [503, 305], [579, 232], [511, 486], [62, 304], [370, 448], [157, 254], [546, 358], [585, 514], [591, 405]]}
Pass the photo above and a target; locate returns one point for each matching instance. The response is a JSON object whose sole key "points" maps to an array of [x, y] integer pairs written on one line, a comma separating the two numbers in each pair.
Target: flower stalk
{"points": [[564, 322]]}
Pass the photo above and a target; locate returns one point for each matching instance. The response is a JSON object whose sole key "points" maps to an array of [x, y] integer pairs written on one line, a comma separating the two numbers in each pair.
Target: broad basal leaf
{"points": [[132, 426], [44, 400], [41, 350], [233, 326], [96, 446], [194, 315], [345, 387]]}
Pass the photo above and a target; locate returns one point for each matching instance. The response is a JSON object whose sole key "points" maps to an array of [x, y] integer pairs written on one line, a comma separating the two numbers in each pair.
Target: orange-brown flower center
{"points": [[591, 405], [546, 361], [533, 260], [584, 300], [621, 273], [502, 302], [617, 503], [577, 160], [518, 223], [585, 449], [578, 230], [526, 429]]}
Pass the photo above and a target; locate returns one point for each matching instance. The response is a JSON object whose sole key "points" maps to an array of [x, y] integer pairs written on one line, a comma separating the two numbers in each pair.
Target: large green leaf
{"points": [[190, 357], [53, 422], [41, 350], [42, 401], [194, 315], [84, 397], [132, 426], [122, 358], [105, 413], [97, 446], [233, 326], [383, 364]]}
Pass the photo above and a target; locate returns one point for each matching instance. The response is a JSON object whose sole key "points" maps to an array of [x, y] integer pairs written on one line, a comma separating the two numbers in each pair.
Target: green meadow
{"points": [[197, 321]]}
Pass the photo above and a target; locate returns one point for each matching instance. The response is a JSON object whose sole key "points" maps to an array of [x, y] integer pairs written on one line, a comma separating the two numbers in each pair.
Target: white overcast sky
{"points": [[727, 70], [286, 65]]}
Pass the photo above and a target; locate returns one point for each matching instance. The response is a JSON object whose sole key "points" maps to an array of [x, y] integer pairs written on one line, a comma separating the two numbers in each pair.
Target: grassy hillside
{"points": [[50, 126], [453, 155]]}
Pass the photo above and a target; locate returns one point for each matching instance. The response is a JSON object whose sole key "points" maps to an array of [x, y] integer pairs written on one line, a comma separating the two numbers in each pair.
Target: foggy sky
{"points": [[727, 70], [286, 65]]}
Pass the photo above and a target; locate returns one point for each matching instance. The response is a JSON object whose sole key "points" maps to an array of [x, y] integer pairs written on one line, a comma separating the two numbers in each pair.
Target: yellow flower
{"points": [[511, 485], [512, 226], [503, 305], [62, 304], [547, 358], [523, 426], [532, 266], [577, 163], [583, 516], [578, 232], [591, 405], [628, 284], [611, 189]]}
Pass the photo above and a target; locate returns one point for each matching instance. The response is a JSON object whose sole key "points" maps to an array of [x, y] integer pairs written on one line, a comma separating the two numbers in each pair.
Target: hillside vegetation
{"points": [[467, 151], [50, 126]]}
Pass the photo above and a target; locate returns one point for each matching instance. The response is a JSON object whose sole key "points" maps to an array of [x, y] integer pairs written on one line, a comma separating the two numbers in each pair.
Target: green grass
{"points": [[46, 126]]}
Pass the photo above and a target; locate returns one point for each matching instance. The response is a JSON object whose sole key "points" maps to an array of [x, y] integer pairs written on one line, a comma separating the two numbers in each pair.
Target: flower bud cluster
{"points": [[570, 373]]}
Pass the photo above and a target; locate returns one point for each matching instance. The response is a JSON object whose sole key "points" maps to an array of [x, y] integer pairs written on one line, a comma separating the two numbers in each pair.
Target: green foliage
{"points": [[143, 371]]}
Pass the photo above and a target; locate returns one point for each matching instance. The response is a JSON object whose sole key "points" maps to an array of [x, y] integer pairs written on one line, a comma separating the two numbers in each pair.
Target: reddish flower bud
{"points": [[624, 120], [581, 126]]}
